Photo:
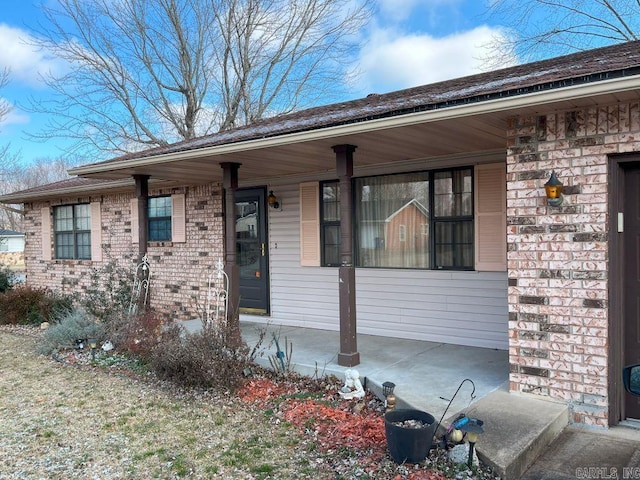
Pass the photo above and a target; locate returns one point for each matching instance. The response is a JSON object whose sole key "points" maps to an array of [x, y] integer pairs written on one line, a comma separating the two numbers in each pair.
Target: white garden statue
{"points": [[352, 387]]}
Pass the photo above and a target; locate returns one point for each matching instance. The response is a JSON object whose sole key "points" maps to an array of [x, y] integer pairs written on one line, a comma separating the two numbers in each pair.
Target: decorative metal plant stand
{"points": [[217, 295], [141, 285]]}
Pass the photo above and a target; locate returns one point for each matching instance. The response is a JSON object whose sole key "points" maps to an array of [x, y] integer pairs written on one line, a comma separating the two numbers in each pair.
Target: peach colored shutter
{"points": [[96, 232], [178, 219], [46, 233], [310, 224], [491, 217], [135, 238]]}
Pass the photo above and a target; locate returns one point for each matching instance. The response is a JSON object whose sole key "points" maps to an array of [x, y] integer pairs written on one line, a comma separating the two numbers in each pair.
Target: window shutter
{"points": [[46, 233], [135, 238], [310, 224], [491, 217], [96, 232], [178, 219]]}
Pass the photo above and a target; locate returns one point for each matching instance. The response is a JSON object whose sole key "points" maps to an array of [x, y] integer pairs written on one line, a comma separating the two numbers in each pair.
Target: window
{"points": [[392, 218], [453, 219], [4, 244], [408, 220], [159, 219], [72, 232], [330, 223]]}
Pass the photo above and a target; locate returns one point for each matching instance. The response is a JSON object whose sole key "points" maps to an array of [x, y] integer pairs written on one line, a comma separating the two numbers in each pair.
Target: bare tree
{"points": [[18, 176], [9, 217], [546, 28], [143, 73]]}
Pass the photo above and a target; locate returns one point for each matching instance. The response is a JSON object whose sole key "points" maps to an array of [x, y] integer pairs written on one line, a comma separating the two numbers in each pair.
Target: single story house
{"points": [[496, 265]]}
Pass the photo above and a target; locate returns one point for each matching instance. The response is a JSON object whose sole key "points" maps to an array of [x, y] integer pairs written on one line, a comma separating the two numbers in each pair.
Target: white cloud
{"points": [[15, 117], [26, 62], [392, 60]]}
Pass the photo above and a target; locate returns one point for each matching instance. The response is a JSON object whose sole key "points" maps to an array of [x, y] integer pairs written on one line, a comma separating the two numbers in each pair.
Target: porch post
{"points": [[142, 194], [348, 356], [230, 185]]}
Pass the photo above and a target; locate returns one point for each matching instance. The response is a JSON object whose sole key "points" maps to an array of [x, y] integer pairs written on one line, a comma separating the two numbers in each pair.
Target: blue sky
{"points": [[408, 43]]}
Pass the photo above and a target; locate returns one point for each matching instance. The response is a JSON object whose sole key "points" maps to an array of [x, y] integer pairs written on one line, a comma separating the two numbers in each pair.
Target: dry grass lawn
{"points": [[58, 422]]}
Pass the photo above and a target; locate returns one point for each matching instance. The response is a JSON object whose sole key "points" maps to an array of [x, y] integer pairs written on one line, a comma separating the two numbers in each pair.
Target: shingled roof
{"points": [[579, 68], [557, 74]]}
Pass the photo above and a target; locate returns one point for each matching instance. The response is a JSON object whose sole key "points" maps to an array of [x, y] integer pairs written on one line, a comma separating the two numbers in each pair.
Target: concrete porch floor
{"points": [[426, 374]]}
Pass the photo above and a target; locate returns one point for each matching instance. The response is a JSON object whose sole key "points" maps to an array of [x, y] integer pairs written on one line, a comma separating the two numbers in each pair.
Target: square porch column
{"points": [[230, 185], [348, 356], [142, 194]]}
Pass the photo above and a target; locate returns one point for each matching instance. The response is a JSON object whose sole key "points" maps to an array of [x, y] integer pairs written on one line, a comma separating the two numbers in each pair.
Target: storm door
{"points": [[631, 279], [252, 250]]}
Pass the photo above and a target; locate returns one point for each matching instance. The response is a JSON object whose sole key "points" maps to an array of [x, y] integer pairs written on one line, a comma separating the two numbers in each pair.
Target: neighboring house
{"points": [[495, 265], [12, 248]]}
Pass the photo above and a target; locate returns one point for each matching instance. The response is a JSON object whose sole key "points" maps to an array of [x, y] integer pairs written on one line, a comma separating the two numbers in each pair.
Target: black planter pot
{"points": [[410, 445]]}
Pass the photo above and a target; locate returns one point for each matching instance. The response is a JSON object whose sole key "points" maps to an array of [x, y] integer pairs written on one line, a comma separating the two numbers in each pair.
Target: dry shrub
{"points": [[137, 334], [31, 306], [204, 359]]}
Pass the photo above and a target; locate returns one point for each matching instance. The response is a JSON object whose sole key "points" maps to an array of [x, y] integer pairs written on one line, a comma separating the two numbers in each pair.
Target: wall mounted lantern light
{"points": [[553, 188], [272, 200]]}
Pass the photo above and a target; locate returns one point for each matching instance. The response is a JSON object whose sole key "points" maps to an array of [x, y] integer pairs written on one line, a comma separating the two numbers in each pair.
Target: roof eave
{"points": [[512, 103], [18, 197]]}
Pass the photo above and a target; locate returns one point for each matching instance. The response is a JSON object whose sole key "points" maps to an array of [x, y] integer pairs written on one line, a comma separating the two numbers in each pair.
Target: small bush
{"points": [[72, 326], [137, 335], [107, 296], [31, 306], [8, 279], [199, 360]]}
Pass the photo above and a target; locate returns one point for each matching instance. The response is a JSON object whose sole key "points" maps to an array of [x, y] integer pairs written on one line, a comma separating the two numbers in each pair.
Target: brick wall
{"points": [[179, 270], [557, 256]]}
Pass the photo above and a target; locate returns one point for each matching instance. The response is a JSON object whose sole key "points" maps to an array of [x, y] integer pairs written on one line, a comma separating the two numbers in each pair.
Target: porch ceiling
{"points": [[420, 141], [468, 130]]}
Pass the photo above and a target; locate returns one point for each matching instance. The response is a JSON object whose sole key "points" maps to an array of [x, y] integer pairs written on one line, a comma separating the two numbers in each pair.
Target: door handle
{"points": [[262, 249]]}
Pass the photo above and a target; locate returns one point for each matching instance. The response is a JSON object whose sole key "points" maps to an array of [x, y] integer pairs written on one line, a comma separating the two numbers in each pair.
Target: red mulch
{"points": [[333, 422]]}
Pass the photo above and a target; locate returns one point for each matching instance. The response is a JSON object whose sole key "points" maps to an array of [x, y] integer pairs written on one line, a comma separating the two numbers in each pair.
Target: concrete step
{"points": [[517, 428]]}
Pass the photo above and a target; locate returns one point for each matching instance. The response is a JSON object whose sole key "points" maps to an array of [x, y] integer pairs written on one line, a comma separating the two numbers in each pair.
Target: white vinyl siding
{"points": [[491, 218], [466, 308]]}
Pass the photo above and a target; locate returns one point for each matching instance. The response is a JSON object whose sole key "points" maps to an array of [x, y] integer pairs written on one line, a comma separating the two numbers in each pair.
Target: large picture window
{"points": [[159, 219], [419, 220], [72, 231]]}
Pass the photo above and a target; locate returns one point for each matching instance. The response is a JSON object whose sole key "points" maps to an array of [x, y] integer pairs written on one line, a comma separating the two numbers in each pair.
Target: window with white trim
{"points": [[72, 231]]}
